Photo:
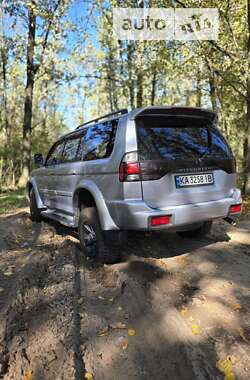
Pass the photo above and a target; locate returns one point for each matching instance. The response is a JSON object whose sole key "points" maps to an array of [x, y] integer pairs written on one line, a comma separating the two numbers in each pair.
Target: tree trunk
{"points": [[30, 70], [139, 95], [198, 90], [212, 91], [153, 89], [246, 186], [4, 73], [130, 75], [139, 74], [212, 85]]}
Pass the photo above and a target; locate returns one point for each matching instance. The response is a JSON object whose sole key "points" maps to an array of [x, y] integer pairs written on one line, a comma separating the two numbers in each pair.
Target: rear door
{"points": [[183, 160], [67, 174], [48, 184]]}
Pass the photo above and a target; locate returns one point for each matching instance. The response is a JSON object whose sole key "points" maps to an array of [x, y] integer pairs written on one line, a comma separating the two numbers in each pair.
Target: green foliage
{"points": [[109, 74], [12, 199], [196, 73], [47, 119]]}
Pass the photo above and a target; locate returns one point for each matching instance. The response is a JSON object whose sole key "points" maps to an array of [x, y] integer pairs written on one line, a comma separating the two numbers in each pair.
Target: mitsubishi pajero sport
{"points": [[148, 169]]}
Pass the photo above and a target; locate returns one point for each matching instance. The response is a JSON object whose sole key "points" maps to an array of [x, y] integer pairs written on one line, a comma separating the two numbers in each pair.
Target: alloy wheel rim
{"points": [[89, 239]]}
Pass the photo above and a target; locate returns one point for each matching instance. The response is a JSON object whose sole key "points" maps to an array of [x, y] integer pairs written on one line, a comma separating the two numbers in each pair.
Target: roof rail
{"points": [[121, 111]]}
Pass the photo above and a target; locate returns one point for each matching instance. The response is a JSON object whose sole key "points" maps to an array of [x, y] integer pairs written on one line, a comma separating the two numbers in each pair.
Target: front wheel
{"points": [[35, 214], [92, 238], [203, 230]]}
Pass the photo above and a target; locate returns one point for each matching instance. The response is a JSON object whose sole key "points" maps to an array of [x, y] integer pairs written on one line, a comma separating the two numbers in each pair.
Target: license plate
{"points": [[194, 180]]}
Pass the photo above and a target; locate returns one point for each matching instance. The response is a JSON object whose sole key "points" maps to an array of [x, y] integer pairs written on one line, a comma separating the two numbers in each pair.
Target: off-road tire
{"points": [[103, 252], [35, 214], [203, 230]]}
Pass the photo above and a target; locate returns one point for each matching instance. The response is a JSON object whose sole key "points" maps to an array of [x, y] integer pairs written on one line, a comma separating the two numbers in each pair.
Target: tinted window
{"points": [[219, 144], [178, 138], [81, 146], [99, 140], [55, 155], [70, 149]]}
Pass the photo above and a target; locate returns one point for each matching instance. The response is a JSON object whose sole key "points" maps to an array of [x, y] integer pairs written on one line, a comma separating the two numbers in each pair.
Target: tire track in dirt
{"points": [[40, 322], [78, 353], [66, 315], [15, 340]]}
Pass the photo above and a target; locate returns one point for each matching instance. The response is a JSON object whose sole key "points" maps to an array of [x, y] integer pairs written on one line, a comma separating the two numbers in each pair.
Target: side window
{"points": [[55, 155], [99, 140], [70, 149]]}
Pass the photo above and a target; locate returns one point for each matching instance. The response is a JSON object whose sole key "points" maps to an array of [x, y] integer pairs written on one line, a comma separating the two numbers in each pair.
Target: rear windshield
{"points": [[179, 138]]}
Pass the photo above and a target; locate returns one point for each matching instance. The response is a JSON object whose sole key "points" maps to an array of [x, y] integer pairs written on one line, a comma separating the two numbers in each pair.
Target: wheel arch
{"points": [[31, 184], [88, 194]]}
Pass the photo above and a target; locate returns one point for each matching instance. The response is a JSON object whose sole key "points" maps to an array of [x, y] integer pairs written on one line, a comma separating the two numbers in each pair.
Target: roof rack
{"points": [[121, 111]]}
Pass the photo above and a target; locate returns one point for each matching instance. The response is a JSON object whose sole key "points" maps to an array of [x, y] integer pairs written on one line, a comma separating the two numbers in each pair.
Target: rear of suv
{"points": [[148, 169]]}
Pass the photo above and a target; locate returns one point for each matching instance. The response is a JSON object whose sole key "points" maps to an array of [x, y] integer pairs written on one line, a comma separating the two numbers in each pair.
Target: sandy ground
{"points": [[172, 309]]}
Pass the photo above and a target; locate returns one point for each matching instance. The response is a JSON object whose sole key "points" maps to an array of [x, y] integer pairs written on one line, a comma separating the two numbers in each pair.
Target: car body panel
{"points": [[130, 205]]}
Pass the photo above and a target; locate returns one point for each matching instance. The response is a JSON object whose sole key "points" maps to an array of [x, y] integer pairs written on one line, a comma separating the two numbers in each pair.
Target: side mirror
{"points": [[38, 158]]}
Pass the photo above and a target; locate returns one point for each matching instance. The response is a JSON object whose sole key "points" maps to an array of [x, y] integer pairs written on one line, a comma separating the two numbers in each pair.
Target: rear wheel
{"points": [[35, 214], [92, 239], [203, 230]]}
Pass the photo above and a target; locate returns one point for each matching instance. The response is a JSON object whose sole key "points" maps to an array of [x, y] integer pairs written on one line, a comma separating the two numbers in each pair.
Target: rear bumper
{"points": [[136, 215]]}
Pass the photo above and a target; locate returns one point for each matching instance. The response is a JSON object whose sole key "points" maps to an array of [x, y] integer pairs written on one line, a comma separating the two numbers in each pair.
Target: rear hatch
{"points": [[183, 159]]}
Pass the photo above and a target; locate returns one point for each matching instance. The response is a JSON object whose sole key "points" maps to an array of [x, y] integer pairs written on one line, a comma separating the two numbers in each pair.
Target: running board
{"points": [[67, 220]]}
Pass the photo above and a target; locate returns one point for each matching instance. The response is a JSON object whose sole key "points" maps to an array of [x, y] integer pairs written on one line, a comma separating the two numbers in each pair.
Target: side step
{"points": [[67, 220]]}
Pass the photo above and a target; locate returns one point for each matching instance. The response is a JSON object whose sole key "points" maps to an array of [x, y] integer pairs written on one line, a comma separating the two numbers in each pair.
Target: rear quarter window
{"points": [[98, 141]]}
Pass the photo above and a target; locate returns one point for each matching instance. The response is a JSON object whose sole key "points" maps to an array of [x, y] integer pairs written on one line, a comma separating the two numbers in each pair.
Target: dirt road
{"points": [[174, 309]]}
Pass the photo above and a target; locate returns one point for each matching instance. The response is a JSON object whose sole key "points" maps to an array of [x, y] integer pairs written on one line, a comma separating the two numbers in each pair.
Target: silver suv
{"points": [[148, 169]]}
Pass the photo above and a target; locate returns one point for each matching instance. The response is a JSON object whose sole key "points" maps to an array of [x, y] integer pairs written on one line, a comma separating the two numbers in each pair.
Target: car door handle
{"points": [[74, 172]]}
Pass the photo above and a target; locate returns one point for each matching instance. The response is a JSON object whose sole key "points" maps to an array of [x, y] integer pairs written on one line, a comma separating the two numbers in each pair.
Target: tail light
{"points": [[235, 209], [129, 168], [160, 220]]}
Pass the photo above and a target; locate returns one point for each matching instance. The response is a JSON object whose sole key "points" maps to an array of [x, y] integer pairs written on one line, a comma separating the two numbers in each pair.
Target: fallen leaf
{"points": [[196, 329], [131, 332], [236, 306], [243, 334], [184, 311], [125, 346], [101, 298], [118, 325], [88, 376], [103, 332], [28, 375], [111, 299], [8, 273], [225, 366], [229, 376]]}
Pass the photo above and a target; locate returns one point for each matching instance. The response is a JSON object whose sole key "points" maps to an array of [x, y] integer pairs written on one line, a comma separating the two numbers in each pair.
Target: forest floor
{"points": [[174, 308]]}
